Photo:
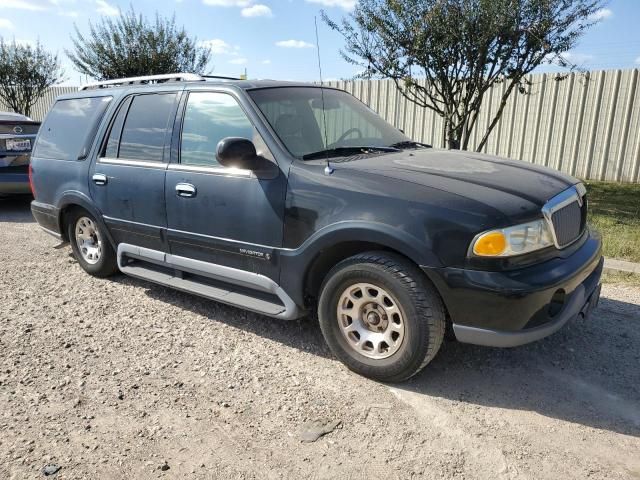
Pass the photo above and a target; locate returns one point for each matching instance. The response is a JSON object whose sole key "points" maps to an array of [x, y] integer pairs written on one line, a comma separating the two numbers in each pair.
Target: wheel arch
{"points": [[72, 200], [307, 266]]}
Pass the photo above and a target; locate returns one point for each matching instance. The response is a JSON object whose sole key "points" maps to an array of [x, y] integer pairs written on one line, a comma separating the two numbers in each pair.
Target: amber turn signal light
{"points": [[490, 244]]}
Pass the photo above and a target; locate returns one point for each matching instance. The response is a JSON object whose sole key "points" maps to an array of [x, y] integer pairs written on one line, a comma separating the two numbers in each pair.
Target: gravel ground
{"points": [[120, 378]]}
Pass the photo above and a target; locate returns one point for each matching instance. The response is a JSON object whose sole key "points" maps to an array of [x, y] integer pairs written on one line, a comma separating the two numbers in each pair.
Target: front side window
{"points": [[68, 130], [298, 115], [209, 117], [145, 128]]}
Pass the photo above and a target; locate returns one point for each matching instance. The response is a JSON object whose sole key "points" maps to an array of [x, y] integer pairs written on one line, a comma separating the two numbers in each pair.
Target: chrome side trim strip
{"points": [[228, 171], [120, 220], [131, 163], [228, 240], [200, 235]]}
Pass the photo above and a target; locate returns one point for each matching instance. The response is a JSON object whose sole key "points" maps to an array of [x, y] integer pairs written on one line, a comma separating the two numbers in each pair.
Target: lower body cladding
{"points": [[515, 307], [239, 288], [47, 217]]}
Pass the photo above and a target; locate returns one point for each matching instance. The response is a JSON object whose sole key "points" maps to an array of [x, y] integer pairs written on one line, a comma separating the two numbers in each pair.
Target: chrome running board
{"points": [[232, 286]]}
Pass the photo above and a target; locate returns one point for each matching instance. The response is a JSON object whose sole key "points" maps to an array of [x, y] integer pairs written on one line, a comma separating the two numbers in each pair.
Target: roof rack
{"points": [[151, 79], [219, 77]]}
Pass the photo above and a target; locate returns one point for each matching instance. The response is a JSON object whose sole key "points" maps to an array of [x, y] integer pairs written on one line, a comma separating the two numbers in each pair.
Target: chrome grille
{"points": [[567, 223], [566, 214]]}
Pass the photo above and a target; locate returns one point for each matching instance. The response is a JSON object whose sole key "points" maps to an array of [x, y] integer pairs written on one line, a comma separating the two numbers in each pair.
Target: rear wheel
{"points": [[381, 316], [90, 245]]}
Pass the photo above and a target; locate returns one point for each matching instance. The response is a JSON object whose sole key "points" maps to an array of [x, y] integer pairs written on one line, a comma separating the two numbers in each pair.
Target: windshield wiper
{"points": [[344, 151], [410, 144]]}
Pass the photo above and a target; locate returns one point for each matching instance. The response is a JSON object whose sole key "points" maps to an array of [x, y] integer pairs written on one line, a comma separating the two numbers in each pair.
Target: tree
{"points": [[461, 48], [26, 71], [130, 46]]}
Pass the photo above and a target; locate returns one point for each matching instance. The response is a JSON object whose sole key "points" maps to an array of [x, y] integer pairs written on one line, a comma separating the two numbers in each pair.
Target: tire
{"points": [[95, 255], [381, 316]]}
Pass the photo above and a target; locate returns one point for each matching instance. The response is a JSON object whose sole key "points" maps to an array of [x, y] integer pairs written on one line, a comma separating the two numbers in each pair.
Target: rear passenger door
{"points": [[216, 214], [127, 180]]}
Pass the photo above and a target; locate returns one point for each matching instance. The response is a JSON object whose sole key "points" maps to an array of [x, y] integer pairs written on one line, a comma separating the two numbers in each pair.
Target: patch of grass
{"points": [[621, 277], [614, 210]]}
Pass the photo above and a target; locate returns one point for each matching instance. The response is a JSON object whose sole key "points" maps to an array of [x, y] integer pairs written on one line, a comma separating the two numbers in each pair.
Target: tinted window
{"points": [[210, 117], [68, 130], [298, 116], [145, 128], [113, 142]]}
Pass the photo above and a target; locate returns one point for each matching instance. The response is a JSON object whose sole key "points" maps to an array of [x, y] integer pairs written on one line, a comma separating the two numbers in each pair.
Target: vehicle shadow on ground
{"points": [[588, 373], [303, 334], [16, 209]]}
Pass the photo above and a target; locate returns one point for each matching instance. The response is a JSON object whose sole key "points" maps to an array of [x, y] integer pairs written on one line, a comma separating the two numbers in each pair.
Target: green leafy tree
{"points": [[26, 71], [130, 45], [461, 48]]}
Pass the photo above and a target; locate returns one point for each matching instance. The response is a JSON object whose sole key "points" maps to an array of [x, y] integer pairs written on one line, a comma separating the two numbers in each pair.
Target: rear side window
{"points": [[67, 133], [145, 128]]}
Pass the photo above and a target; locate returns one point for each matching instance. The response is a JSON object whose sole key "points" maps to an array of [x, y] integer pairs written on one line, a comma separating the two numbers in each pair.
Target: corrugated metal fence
{"points": [[39, 110], [587, 124]]}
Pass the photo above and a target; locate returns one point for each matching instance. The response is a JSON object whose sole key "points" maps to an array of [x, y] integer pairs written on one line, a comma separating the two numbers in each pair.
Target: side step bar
{"points": [[232, 286]]}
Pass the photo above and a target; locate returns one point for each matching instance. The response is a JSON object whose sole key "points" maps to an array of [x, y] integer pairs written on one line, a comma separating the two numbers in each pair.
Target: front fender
{"points": [[295, 263]]}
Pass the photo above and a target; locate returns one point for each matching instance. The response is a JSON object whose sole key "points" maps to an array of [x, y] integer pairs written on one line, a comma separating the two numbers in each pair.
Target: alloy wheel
{"points": [[371, 320]]}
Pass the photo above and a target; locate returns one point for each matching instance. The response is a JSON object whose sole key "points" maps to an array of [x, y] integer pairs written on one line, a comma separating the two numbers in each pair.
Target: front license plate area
{"points": [[18, 144]]}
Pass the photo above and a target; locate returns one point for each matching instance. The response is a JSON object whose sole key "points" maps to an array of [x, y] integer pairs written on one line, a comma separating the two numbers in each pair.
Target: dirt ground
{"points": [[120, 378]]}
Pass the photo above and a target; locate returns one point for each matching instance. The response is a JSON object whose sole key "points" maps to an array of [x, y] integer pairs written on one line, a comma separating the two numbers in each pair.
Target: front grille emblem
{"points": [[17, 129]]}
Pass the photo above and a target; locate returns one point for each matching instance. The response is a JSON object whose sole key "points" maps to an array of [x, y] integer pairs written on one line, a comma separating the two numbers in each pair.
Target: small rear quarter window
{"points": [[69, 127]]}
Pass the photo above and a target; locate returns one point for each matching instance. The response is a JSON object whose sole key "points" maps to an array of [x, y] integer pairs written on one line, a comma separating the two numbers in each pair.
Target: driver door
{"points": [[221, 215]]}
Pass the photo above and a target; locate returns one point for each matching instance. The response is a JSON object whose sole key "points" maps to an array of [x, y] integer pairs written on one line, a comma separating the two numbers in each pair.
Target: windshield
{"points": [[295, 113]]}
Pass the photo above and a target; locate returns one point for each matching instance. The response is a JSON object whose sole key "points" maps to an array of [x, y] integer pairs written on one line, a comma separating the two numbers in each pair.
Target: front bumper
{"points": [[510, 308]]}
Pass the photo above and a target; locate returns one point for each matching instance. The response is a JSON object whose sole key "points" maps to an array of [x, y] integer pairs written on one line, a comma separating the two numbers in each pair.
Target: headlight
{"points": [[510, 241]]}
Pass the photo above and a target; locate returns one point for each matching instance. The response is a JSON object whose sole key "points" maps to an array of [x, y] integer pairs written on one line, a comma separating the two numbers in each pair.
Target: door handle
{"points": [[99, 179], [185, 190]]}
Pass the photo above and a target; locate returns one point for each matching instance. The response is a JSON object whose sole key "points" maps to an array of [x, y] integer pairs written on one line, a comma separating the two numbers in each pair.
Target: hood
{"points": [[516, 188]]}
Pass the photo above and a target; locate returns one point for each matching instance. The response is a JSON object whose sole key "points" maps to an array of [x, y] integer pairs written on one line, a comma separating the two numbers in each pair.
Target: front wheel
{"points": [[380, 316], [90, 246]]}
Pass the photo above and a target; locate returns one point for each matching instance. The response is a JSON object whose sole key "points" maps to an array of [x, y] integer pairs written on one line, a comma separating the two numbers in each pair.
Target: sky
{"points": [[276, 38]]}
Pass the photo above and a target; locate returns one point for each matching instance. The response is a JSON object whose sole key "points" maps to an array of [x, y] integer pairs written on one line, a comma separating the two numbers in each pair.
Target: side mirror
{"points": [[237, 152]]}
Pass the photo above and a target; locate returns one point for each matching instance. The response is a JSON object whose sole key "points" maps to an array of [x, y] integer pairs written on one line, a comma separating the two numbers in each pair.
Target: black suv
{"points": [[280, 198]]}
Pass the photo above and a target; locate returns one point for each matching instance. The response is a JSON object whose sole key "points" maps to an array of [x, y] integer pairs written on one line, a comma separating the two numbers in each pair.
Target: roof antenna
{"points": [[328, 170]]}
